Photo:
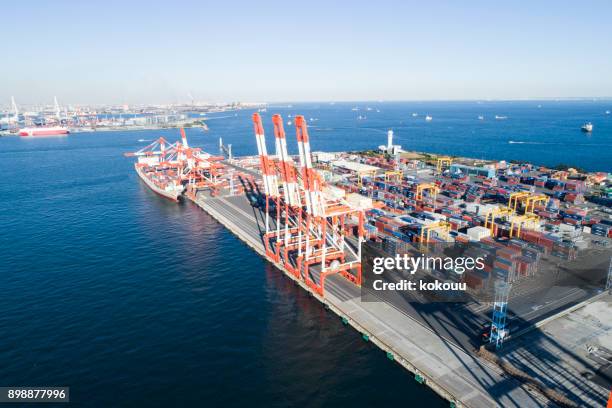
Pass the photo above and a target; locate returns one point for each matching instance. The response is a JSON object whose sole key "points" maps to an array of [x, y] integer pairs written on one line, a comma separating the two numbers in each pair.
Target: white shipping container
{"points": [[478, 233], [358, 201]]}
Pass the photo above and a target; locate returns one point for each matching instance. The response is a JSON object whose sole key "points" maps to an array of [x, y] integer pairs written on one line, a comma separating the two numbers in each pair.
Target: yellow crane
{"points": [[530, 202], [442, 162], [496, 212], [434, 189], [529, 220], [442, 228], [364, 173], [516, 197], [394, 174]]}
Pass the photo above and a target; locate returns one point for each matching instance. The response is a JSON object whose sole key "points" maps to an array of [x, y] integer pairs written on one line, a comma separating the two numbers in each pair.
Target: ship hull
{"points": [[170, 195], [43, 132]]}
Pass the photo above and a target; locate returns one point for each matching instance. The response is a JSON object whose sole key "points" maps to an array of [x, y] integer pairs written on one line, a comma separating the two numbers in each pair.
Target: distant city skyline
{"points": [[153, 52]]}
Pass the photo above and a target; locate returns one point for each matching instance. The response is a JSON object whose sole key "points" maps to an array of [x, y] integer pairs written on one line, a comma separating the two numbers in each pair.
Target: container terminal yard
{"points": [[42, 120], [546, 337]]}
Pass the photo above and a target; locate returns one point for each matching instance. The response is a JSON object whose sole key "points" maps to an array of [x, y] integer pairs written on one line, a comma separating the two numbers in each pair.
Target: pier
{"points": [[456, 375]]}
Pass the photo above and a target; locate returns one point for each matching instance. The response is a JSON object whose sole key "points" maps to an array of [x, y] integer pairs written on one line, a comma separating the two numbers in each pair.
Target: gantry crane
{"points": [[530, 202], [432, 188], [443, 162], [442, 228], [515, 198], [496, 212], [516, 223], [393, 174], [309, 238], [364, 173]]}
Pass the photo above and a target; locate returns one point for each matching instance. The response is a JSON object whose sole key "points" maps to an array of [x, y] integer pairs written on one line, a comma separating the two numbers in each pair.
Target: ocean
{"points": [[130, 299]]}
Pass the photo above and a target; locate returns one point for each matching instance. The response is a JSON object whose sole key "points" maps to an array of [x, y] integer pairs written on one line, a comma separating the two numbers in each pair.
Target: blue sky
{"points": [[150, 51]]}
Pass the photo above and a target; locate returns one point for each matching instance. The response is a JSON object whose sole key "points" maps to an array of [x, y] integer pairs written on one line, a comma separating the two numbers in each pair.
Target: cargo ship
{"points": [[43, 131], [159, 181], [174, 169]]}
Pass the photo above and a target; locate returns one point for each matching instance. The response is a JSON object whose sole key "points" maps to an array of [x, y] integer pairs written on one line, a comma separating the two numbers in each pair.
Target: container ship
{"points": [[43, 131], [171, 169], [159, 180]]}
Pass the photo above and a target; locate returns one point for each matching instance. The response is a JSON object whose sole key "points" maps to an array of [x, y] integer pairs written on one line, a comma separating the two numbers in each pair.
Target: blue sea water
{"points": [[130, 299], [542, 132]]}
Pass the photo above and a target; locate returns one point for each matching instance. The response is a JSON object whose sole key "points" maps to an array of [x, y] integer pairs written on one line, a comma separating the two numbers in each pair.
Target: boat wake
{"points": [[553, 143], [532, 143], [143, 140]]}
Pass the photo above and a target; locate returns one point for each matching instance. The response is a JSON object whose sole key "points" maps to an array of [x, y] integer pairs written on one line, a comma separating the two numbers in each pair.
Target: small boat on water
{"points": [[414, 115], [587, 127], [480, 117], [428, 118], [499, 117]]}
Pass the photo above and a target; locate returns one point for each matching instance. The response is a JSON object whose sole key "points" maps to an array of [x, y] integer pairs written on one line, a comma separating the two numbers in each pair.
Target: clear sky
{"points": [[151, 51]]}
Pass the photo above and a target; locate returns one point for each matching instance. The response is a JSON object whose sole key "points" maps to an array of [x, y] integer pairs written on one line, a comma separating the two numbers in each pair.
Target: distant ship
{"points": [[415, 115], [480, 117], [607, 112], [587, 127], [43, 131], [498, 117], [428, 118]]}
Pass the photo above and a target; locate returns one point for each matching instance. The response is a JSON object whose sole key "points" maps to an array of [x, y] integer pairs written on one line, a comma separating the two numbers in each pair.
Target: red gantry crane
{"points": [[309, 237]]}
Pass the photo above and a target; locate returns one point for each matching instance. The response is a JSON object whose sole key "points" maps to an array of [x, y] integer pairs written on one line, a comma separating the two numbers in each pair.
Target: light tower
{"points": [[389, 140], [609, 280], [500, 312]]}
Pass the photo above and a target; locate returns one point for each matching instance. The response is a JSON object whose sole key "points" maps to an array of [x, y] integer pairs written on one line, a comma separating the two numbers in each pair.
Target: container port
{"points": [[46, 120], [544, 340]]}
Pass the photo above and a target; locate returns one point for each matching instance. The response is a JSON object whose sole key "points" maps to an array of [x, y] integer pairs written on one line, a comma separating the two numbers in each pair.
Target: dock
{"points": [[561, 338], [462, 378]]}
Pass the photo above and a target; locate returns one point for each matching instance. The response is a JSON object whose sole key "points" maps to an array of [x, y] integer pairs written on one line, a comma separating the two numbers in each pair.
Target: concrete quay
{"points": [[461, 377]]}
